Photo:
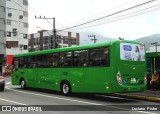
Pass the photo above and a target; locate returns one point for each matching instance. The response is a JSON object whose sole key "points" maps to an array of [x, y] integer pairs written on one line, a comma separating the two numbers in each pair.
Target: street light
{"points": [[94, 38]]}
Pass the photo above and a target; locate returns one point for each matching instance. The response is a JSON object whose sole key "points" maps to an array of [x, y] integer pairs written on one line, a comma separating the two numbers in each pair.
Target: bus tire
{"points": [[66, 88], [2, 88], [23, 84]]}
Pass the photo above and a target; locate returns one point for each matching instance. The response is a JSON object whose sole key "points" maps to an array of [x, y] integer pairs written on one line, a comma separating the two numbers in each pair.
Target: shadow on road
{"points": [[98, 97]]}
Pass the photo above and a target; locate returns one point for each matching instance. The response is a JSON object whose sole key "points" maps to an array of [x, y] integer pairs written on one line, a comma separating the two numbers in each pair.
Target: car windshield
{"points": [[132, 52]]}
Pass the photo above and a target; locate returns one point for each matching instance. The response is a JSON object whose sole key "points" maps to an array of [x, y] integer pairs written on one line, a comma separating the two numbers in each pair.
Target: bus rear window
{"points": [[132, 52]]}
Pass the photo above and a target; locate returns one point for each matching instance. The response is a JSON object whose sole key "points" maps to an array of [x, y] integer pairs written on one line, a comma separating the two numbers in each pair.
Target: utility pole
{"points": [[94, 38], [53, 41]]}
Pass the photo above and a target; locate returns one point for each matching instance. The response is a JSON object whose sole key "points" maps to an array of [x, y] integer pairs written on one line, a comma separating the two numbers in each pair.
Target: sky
{"points": [[68, 13]]}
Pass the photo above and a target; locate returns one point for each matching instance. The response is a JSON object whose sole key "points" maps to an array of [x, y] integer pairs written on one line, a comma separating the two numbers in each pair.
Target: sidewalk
{"points": [[148, 95]]}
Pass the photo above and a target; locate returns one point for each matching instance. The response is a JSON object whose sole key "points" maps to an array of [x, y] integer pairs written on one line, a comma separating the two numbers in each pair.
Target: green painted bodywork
{"points": [[153, 54], [86, 79]]}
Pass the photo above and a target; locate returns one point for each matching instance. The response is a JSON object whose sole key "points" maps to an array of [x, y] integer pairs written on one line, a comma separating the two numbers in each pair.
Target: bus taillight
{"points": [[119, 79]]}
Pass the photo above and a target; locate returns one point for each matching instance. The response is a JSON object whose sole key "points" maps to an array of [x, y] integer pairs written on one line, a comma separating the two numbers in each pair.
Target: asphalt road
{"points": [[55, 103]]}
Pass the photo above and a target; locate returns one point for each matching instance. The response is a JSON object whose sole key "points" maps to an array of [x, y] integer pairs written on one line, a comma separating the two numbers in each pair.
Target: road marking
{"points": [[55, 97], [113, 97], [90, 103], [12, 101], [8, 83], [148, 112]]}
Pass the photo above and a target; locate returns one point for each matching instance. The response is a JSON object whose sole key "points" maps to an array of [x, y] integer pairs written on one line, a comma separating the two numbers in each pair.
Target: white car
{"points": [[2, 83]]}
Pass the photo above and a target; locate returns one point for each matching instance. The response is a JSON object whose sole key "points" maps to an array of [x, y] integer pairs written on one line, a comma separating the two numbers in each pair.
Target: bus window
{"points": [[15, 64], [65, 59], [20, 62], [52, 60], [99, 57], [80, 58]]}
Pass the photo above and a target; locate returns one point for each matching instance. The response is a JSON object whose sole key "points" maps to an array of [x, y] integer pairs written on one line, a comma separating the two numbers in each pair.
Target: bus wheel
{"points": [[23, 84], [2, 88], [66, 88]]}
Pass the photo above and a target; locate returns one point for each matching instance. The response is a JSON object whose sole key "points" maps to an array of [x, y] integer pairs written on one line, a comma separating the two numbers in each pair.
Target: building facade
{"points": [[13, 27], [42, 40]]}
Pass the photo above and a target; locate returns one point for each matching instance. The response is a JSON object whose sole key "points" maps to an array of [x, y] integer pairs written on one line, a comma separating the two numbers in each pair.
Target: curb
{"points": [[147, 98]]}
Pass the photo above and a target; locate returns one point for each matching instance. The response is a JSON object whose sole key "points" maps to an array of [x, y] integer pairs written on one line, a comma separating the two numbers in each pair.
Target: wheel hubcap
{"points": [[65, 88], [22, 84]]}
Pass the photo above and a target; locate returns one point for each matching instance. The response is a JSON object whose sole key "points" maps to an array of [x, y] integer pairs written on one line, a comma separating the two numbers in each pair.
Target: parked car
{"points": [[2, 83]]}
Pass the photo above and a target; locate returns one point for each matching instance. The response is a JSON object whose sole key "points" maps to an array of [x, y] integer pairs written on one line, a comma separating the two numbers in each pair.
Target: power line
{"points": [[26, 9], [107, 10], [100, 17], [53, 31], [33, 10], [117, 18], [133, 7]]}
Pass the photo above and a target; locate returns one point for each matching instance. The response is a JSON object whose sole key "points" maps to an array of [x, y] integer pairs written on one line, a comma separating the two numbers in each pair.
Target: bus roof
{"points": [[72, 48], [153, 54]]}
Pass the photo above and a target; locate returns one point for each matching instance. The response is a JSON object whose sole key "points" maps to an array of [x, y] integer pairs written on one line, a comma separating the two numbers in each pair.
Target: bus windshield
{"points": [[132, 52]]}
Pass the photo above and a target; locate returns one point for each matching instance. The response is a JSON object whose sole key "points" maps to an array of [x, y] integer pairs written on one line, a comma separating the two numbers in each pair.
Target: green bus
{"points": [[107, 67], [153, 63]]}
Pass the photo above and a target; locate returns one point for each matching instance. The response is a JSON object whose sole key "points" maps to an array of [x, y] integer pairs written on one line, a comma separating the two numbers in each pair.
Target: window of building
{"points": [[65, 40], [29, 42], [10, 44], [25, 36], [25, 25], [8, 34], [45, 47], [25, 47], [29, 49], [37, 49], [73, 41], [25, 13], [59, 39], [14, 31], [8, 22], [99, 57], [25, 2], [46, 40], [80, 58], [2, 8], [9, 14], [36, 41]]}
